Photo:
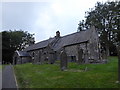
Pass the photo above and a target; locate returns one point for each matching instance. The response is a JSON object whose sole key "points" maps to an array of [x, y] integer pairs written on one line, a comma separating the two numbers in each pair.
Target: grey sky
{"points": [[45, 18]]}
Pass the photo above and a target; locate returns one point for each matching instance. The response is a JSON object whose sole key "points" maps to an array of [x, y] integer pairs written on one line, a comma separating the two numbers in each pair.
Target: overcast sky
{"points": [[45, 18]]}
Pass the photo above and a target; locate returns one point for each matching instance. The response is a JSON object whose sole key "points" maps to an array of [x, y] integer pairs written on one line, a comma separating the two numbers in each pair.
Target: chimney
{"points": [[57, 34]]}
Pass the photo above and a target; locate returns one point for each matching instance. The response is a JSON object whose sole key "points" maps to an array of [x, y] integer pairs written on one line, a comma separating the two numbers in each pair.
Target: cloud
{"points": [[45, 18], [57, 8], [44, 25], [59, 15]]}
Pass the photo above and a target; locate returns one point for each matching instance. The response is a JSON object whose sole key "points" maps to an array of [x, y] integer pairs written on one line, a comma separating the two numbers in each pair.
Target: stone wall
{"points": [[90, 49], [73, 50], [20, 60], [93, 47], [44, 55]]}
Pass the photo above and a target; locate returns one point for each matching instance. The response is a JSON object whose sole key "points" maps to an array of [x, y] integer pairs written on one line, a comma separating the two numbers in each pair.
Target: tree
{"points": [[105, 17], [14, 40]]}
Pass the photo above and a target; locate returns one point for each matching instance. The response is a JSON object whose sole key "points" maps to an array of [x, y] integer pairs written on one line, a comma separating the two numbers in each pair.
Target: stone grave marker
{"points": [[80, 54], [63, 60], [104, 55]]}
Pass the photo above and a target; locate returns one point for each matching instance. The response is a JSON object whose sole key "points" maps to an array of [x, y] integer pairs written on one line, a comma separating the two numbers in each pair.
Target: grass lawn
{"points": [[50, 76], [3, 66], [0, 66]]}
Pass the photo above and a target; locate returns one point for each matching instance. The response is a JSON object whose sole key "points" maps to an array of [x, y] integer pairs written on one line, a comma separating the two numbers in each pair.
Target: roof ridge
{"points": [[61, 36], [75, 33], [53, 40]]}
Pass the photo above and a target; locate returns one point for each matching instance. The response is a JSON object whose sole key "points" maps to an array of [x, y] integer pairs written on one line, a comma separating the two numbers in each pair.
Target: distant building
{"points": [[49, 50], [21, 57]]}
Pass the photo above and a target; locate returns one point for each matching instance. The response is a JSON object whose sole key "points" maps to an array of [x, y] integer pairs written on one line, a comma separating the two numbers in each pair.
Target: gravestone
{"points": [[104, 55], [42, 58], [80, 54], [86, 59], [51, 58], [63, 60]]}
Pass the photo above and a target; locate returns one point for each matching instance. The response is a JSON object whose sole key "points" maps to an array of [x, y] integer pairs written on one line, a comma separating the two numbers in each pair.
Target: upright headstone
{"points": [[52, 59], [104, 55], [63, 60], [80, 54], [86, 59]]}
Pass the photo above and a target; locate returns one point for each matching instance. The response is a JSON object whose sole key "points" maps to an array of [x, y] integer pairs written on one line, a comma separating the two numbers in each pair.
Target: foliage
{"points": [[50, 76], [14, 40], [105, 17]]}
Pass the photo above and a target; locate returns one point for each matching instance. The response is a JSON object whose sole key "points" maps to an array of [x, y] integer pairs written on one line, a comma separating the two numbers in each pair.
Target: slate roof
{"points": [[22, 54], [74, 38], [38, 45]]}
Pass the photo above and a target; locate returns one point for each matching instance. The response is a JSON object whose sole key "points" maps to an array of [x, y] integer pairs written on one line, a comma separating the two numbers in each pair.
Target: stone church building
{"points": [[48, 51]]}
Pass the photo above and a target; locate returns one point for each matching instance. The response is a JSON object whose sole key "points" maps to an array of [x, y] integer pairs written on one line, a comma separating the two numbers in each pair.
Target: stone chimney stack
{"points": [[57, 34]]}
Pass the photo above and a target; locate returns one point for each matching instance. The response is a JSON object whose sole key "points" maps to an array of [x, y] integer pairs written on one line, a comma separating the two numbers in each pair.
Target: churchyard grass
{"points": [[0, 66], [3, 66], [50, 76]]}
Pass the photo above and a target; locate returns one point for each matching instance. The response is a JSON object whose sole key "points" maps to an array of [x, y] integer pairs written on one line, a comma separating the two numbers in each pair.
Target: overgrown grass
{"points": [[50, 76]]}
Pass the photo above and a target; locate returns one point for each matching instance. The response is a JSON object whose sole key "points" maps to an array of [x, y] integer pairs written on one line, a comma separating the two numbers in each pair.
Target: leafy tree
{"points": [[14, 40], [105, 17]]}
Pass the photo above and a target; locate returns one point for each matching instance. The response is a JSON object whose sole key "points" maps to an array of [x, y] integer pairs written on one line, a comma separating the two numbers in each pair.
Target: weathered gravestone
{"points": [[86, 57], [104, 57], [63, 60], [42, 61], [80, 54], [51, 58]]}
